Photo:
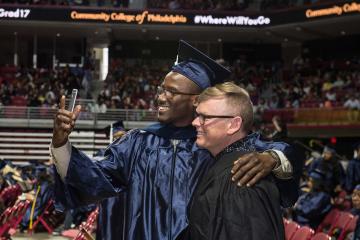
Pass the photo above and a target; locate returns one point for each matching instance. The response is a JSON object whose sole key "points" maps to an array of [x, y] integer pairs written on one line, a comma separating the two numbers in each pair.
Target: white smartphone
{"points": [[72, 100]]}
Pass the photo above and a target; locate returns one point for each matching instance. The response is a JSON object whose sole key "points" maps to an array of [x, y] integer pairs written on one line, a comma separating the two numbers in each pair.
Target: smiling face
{"points": [[214, 134], [224, 116], [174, 107]]}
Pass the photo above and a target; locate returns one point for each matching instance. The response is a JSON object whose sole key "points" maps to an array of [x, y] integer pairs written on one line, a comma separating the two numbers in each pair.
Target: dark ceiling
{"points": [[100, 33]]}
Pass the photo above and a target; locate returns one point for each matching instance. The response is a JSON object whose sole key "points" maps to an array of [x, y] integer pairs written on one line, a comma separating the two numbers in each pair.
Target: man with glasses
{"points": [[220, 210], [155, 170]]}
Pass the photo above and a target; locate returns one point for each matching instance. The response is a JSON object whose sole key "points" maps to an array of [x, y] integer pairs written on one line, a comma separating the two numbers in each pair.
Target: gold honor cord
{"points": [[33, 208]]}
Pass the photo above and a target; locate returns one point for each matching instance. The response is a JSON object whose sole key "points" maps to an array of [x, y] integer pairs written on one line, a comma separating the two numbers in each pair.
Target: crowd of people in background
{"points": [[131, 84]]}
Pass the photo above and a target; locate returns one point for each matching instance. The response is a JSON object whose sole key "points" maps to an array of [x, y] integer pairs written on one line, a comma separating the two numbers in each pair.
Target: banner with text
{"points": [[29, 13]]}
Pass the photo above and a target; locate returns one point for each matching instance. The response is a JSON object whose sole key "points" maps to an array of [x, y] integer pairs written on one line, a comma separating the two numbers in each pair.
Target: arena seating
{"points": [[303, 233], [349, 228], [321, 236], [49, 218], [328, 221], [12, 216], [10, 194], [340, 225], [290, 228]]}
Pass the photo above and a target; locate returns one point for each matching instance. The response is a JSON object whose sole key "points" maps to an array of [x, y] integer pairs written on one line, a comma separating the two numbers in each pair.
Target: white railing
{"points": [[42, 117]]}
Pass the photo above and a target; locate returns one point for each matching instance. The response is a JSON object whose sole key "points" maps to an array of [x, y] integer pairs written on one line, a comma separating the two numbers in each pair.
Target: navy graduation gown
{"points": [[333, 170], [111, 211], [352, 177], [312, 207], [356, 234], [158, 176]]}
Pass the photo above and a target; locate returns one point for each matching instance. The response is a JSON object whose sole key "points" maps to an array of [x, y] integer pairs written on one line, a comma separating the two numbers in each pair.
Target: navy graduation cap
{"points": [[118, 126], [198, 67], [113, 129], [329, 149]]}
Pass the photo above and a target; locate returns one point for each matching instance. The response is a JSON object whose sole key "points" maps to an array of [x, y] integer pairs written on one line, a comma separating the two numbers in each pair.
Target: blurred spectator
{"points": [[280, 130], [331, 168], [353, 170], [174, 5], [312, 206], [356, 211], [274, 102], [353, 106]]}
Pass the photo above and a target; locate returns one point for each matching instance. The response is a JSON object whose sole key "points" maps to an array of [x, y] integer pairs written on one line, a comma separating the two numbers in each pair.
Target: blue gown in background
{"points": [[333, 170], [352, 174], [356, 236], [312, 207], [158, 176]]}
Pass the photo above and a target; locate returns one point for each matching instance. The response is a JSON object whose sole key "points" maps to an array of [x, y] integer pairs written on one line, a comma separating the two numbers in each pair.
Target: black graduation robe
{"points": [[221, 210]]}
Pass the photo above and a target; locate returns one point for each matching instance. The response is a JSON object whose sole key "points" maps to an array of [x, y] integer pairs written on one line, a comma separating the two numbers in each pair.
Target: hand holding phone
{"points": [[72, 100]]}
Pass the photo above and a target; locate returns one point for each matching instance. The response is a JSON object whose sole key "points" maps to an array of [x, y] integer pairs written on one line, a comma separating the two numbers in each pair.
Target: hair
{"points": [[236, 97]]}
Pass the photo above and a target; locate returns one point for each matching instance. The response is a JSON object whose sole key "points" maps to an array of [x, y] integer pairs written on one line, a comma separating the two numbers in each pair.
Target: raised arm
{"points": [[79, 179]]}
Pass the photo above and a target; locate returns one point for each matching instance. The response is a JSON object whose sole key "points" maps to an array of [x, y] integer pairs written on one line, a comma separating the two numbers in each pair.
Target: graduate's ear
{"points": [[234, 125], [195, 101]]}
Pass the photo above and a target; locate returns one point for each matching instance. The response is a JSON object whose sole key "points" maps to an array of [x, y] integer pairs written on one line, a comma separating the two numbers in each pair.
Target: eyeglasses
{"points": [[170, 93], [203, 117]]}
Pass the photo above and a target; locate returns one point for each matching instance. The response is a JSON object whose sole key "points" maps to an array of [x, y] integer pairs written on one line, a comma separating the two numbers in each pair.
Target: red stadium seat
{"points": [[321, 236], [303, 233], [349, 228], [10, 194], [290, 229], [48, 218], [328, 221], [286, 222], [340, 224], [12, 216], [88, 227], [19, 101]]}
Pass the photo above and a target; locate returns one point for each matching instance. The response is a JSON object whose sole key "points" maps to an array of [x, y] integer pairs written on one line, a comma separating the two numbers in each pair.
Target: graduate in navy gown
{"points": [[353, 170], [159, 167], [312, 207], [332, 168], [356, 211]]}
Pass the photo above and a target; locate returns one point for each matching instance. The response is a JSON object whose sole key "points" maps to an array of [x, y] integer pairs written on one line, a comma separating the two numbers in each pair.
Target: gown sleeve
{"points": [[289, 190], [88, 181]]}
